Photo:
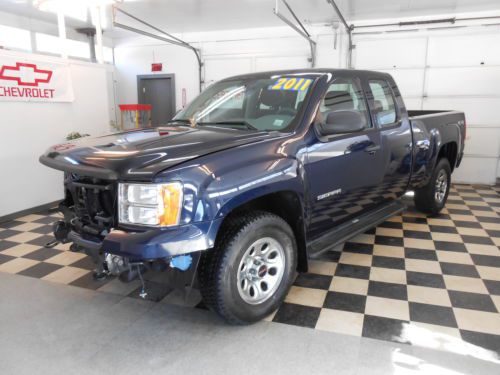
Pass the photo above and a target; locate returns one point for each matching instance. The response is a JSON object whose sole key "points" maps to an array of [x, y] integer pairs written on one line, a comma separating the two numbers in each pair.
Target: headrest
{"points": [[378, 106], [339, 100], [272, 98]]}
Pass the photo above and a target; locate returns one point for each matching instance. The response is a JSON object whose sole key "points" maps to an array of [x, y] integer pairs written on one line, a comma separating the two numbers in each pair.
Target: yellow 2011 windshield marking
{"points": [[278, 84], [297, 86], [305, 85], [290, 83], [294, 84]]}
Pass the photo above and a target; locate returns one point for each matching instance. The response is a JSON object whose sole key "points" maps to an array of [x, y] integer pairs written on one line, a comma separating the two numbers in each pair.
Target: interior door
{"points": [[345, 170], [159, 91]]}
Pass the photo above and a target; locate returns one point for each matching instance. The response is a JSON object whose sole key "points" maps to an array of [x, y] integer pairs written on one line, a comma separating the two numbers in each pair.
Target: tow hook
{"points": [[115, 264]]}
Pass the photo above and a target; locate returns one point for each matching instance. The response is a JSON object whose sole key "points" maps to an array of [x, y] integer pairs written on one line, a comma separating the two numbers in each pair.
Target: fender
{"points": [[430, 135], [255, 181], [447, 134], [216, 184], [425, 152]]}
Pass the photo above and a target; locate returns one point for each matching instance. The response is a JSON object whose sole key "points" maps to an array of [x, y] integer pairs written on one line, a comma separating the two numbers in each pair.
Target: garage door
{"points": [[447, 70], [223, 67], [265, 63], [219, 68]]}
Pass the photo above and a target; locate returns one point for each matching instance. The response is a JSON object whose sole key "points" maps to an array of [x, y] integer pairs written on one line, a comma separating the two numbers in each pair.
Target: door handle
{"points": [[423, 144], [372, 149]]}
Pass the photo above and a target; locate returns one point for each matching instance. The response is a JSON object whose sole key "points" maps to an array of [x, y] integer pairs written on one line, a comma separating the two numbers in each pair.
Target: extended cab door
{"points": [[390, 118], [345, 171]]}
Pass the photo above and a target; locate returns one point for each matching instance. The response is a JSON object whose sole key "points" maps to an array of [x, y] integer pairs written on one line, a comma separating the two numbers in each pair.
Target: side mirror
{"points": [[341, 122]]}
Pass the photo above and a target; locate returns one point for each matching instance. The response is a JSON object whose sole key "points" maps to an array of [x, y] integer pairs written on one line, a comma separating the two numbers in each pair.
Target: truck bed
{"points": [[450, 124], [412, 113], [417, 113], [436, 131]]}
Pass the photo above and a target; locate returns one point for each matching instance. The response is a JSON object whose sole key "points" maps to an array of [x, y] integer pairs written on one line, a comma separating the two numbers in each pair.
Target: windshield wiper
{"points": [[229, 123]]}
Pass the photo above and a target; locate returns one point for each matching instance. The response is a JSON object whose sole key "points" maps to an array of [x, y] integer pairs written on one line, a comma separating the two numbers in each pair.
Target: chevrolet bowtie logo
{"points": [[25, 74]]}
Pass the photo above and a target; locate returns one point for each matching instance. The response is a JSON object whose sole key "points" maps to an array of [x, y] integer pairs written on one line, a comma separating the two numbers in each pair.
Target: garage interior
{"points": [[416, 294]]}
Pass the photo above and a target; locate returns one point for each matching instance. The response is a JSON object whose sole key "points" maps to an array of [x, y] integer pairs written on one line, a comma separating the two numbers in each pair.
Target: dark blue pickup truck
{"points": [[257, 175]]}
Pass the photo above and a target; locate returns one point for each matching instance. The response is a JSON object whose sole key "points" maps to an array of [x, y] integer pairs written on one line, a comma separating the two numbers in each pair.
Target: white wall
{"points": [[452, 69], [225, 54], [29, 128]]}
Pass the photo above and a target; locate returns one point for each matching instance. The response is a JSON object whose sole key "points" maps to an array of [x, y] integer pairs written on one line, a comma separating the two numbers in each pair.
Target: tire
{"points": [[225, 272], [432, 197]]}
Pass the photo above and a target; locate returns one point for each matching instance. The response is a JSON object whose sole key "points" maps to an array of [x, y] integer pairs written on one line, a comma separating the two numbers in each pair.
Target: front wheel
{"points": [[250, 270], [432, 197]]}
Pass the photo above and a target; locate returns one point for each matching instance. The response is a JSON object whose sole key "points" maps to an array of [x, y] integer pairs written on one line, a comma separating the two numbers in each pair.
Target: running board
{"points": [[361, 224]]}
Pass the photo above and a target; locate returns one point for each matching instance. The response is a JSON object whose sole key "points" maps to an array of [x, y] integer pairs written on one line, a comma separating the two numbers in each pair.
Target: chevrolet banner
{"points": [[26, 80]]}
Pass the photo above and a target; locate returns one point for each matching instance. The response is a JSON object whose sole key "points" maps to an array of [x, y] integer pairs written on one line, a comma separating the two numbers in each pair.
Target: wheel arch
{"points": [[449, 151], [288, 205]]}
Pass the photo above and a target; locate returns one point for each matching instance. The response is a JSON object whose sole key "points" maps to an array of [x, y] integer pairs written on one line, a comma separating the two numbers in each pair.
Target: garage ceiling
{"points": [[196, 15], [207, 15]]}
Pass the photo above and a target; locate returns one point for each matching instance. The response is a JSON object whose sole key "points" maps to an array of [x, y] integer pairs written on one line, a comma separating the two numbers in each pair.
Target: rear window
{"points": [[384, 107]]}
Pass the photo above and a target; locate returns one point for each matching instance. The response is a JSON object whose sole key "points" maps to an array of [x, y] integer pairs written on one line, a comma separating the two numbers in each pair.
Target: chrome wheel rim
{"points": [[261, 270], [441, 186]]}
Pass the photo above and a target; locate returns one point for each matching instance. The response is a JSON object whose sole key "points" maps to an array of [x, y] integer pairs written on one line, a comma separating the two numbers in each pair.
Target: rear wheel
{"points": [[248, 273], [432, 197]]}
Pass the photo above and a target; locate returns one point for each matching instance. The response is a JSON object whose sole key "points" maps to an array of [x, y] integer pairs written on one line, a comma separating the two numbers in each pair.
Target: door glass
{"points": [[343, 95], [384, 108]]}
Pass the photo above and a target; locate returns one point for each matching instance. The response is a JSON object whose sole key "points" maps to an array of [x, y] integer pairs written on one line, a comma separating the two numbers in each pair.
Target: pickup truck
{"points": [[258, 174]]}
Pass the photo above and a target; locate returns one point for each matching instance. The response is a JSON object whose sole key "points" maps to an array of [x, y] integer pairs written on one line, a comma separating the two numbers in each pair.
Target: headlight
{"points": [[156, 205]]}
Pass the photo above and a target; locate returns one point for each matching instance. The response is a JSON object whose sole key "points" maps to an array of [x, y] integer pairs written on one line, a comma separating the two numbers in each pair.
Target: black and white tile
{"points": [[414, 279]]}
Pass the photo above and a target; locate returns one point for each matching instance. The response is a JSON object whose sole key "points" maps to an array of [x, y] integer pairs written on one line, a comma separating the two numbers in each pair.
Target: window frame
{"points": [[369, 119], [397, 121]]}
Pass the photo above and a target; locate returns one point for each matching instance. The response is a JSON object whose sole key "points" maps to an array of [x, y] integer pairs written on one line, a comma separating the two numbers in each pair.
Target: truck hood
{"points": [[141, 154]]}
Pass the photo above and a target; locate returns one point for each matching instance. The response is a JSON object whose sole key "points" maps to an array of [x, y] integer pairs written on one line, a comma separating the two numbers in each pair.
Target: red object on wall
{"points": [[156, 67], [135, 107]]}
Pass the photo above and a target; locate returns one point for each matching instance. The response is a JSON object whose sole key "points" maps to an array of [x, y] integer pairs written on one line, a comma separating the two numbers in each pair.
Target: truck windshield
{"points": [[267, 104]]}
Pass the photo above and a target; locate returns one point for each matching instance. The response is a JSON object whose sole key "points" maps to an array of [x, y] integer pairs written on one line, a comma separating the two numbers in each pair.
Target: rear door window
{"points": [[384, 106]]}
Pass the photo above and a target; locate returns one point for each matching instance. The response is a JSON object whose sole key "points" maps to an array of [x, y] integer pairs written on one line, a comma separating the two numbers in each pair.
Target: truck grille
{"points": [[92, 202]]}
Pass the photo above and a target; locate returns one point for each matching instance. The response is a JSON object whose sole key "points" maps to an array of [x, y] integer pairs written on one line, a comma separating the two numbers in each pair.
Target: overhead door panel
{"points": [[217, 69], [409, 81], [266, 63], [477, 170], [413, 103], [478, 111], [464, 50], [389, 53], [470, 81]]}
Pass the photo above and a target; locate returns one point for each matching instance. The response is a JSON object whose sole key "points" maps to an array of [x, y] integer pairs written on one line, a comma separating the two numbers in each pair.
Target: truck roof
{"points": [[311, 71]]}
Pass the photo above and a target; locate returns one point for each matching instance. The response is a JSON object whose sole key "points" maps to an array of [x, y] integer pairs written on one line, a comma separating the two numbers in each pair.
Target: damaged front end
{"points": [[91, 224]]}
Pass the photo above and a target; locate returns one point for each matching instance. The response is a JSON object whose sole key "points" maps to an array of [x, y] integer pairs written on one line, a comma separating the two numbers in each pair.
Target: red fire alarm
{"points": [[156, 67]]}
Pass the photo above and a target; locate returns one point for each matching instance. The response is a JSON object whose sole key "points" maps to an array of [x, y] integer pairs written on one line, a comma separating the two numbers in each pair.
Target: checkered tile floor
{"points": [[413, 279]]}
